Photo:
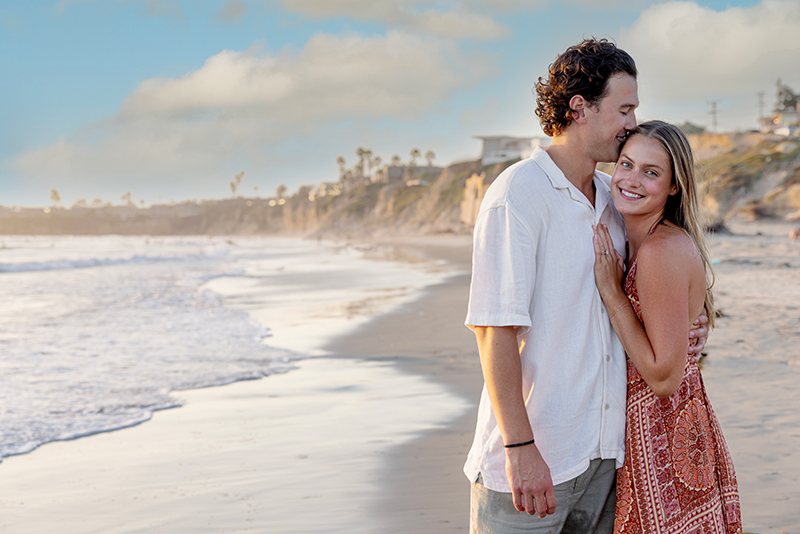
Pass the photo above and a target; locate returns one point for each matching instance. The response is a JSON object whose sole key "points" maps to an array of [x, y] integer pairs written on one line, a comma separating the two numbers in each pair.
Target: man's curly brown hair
{"points": [[584, 69]]}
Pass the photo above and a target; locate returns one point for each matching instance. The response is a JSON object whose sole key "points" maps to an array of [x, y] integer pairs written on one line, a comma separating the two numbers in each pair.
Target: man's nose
{"points": [[631, 124]]}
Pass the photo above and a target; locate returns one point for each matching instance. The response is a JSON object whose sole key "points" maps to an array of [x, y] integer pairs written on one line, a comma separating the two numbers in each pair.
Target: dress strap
{"points": [[653, 229]]}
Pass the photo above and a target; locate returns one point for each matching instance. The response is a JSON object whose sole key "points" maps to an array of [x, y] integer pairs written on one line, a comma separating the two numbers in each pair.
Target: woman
{"points": [[678, 475]]}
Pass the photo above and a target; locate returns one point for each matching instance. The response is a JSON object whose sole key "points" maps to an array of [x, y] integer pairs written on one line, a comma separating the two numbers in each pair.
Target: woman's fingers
{"points": [[598, 248], [605, 238], [598, 251], [603, 244]]}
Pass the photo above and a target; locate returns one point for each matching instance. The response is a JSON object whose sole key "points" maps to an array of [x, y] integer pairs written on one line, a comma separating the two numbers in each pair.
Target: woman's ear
{"points": [[577, 107]]}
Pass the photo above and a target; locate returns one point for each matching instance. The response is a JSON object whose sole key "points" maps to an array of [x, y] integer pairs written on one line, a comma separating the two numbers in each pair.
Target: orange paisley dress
{"points": [[678, 475]]}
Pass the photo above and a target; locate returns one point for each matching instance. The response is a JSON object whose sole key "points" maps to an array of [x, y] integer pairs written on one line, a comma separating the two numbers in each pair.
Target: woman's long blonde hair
{"points": [[683, 208]]}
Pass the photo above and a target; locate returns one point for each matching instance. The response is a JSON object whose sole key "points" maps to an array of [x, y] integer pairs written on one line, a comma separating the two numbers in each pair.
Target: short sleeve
{"points": [[503, 271]]}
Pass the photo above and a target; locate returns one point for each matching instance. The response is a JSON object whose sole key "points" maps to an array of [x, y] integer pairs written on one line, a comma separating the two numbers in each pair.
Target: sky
{"points": [[171, 99]]}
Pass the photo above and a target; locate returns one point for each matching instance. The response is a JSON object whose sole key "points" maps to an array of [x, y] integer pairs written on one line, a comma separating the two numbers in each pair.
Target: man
{"points": [[551, 422]]}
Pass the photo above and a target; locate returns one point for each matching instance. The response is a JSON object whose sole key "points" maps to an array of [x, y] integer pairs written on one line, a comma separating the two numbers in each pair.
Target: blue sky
{"points": [[169, 99]]}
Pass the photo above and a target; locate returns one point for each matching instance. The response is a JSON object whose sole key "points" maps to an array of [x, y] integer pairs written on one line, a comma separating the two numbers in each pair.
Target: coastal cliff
{"points": [[749, 174]]}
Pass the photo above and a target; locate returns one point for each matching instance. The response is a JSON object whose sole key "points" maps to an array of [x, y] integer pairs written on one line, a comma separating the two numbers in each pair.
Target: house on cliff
{"points": [[499, 148], [785, 120]]}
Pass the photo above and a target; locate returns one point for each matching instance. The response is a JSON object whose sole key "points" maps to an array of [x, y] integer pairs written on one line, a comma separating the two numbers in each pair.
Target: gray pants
{"points": [[584, 505]]}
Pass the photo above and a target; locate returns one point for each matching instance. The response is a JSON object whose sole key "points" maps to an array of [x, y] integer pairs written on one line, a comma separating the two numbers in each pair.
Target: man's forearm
{"points": [[528, 473], [502, 372]]}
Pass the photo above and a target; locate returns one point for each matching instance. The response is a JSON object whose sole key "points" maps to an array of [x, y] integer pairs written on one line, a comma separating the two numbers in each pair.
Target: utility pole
{"points": [[714, 114]]}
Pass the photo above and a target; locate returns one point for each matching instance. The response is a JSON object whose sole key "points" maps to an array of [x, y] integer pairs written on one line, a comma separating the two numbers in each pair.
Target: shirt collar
{"points": [[602, 195], [559, 181], [554, 174]]}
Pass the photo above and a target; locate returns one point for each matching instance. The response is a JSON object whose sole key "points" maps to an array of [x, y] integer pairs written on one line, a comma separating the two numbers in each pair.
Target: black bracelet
{"points": [[531, 442]]}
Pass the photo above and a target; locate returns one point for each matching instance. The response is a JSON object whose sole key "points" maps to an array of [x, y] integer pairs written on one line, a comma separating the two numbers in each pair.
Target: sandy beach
{"points": [[372, 436]]}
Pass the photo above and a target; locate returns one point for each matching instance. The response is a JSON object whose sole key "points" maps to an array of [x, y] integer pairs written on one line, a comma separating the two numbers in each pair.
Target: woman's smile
{"points": [[624, 193]]}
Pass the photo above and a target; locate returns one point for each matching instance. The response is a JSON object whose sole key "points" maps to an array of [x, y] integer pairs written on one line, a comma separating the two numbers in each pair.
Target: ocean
{"points": [[99, 332]]}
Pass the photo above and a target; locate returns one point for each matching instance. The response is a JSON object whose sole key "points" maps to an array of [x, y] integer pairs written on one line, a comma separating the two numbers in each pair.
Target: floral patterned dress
{"points": [[678, 475]]}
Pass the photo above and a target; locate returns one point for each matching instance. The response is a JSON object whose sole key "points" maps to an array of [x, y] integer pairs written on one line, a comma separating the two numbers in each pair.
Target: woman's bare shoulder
{"points": [[669, 246]]}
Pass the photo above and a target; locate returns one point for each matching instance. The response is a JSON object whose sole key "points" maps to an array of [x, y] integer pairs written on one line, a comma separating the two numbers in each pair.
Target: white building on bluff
{"points": [[499, 148], [786, 119]]}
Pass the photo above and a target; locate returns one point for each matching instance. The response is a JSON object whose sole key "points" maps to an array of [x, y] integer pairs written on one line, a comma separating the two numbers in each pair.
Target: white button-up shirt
{"points": [[532, 268]]}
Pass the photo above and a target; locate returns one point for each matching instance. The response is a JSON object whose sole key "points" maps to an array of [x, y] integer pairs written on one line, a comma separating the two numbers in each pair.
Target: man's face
{"points": [[611, 119]]}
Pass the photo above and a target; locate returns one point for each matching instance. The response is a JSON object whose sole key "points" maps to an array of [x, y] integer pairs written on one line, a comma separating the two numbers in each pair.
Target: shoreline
{"points": [[181, 471], [427, 491]]}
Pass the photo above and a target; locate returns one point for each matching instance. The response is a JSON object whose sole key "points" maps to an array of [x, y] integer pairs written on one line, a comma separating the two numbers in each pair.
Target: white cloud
{"points": [[428, 16], [240, 105], [685, 51], [397, 75]]}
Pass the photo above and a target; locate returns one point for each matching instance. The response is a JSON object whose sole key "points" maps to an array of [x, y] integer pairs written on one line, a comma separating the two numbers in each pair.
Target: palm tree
{"points": [[340, 161], [54, 196], [281, 191], [415, 153], [429, 157], [396, 161], [237, 180], [360, 152], [368, 158], [127, 198]]}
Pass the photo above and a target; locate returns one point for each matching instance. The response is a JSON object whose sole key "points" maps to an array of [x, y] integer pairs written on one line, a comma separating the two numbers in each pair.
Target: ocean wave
{"points": [[67, 264], [23, 434]]}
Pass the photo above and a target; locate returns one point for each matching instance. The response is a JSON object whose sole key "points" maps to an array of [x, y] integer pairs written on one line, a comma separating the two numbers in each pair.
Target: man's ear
{"points": [[577, 106]]}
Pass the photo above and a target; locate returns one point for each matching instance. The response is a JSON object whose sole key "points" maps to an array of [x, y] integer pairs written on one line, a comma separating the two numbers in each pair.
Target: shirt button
{"points": [[607, 406], [608, 357], [602, 310]]}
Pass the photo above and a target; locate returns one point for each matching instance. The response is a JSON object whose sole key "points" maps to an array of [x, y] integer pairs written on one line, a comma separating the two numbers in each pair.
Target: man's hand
{"points": [[531, 485], [698, 336]]}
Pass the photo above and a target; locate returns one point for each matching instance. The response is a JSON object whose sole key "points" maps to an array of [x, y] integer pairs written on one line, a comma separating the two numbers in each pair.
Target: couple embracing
{"points": [[589, 300]]}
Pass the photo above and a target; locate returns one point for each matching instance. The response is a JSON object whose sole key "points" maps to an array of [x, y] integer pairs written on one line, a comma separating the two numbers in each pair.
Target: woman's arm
{"points": [[657, 349]]}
